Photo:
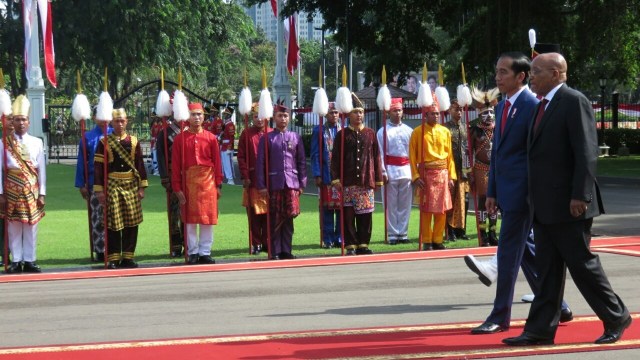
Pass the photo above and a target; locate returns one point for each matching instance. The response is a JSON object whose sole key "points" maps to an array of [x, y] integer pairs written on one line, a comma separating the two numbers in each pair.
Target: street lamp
{"points": [[603, 84]]}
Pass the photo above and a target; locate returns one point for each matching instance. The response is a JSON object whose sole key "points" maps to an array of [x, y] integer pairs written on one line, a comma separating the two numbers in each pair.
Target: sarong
{"points": [[202, 196], [284, 204], [22, 191], [458, 214], [258, 200], [435, 198], [123, 205], [361, 199], [331, 197]]}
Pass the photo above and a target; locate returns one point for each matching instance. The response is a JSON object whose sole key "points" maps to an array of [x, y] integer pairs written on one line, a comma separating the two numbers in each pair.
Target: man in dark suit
{"points": [[507, 190], [563, 198]]}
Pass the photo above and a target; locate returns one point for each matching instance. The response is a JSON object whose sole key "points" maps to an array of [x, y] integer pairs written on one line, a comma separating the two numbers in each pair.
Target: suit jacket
{"points": [[562, 157], [508, 168]]}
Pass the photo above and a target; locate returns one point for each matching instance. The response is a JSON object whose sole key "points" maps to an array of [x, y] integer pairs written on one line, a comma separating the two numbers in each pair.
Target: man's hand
{"points": [[338, 186], [385, 179], [40, 202], [84, 193], [219, 192], [318, 181], [419, 183], [577, 207], [491, 206], [246, 183], [101, 198], [181, 199], [141, 193], [166, 183], [452, 185]]}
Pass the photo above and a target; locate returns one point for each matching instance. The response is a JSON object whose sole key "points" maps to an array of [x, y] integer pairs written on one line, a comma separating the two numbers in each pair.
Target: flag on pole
{"points": [[274, 7], [291, 37], [47, 39], [44, 7]]}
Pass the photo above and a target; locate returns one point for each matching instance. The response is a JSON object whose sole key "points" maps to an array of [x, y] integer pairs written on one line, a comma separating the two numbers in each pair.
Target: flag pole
{"points": [[6, 100], [384, 156]]}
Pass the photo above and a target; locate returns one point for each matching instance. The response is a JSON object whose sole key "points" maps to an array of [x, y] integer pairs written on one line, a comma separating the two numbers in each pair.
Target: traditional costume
{"points": [[96, 210], [255, 202], [395, 165], [481, 144], [356, 151], [126, 174], [23, 190], [197, 173], [287, 178], [331, 197], [227, 138], [457, 216], [176, 227], [431, 159]]}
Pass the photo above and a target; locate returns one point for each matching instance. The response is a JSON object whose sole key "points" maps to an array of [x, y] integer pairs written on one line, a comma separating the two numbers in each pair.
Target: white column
{"points": [[281, 85], [35, 88]]}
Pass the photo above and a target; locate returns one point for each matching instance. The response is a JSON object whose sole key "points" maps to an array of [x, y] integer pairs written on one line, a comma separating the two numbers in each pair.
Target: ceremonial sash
{"points": [[396, 160], [114, 143]]}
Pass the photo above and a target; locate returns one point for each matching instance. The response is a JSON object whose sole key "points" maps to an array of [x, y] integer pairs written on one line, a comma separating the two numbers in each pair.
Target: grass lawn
{"points": [[621, 166], [63, 233]]}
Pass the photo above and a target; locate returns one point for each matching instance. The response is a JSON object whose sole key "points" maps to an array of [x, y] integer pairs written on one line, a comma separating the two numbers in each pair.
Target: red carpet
{"points": [[629, 245], [442, 341]]}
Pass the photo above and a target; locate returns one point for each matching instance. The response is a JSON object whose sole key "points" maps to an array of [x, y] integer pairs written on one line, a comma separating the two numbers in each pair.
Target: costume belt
{"points": [[121, 175], [436, 164], [480, 166], [396, 160]]}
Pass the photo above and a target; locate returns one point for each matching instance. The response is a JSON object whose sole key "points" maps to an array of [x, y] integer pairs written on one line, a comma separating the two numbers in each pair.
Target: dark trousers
{"points": [[281, 236], [122, 244], [357, 228], [562, 246], [258, 224]]}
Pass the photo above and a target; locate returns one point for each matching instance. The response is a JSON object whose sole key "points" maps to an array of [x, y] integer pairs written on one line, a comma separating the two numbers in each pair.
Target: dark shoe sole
{"points": [[472, 266]]}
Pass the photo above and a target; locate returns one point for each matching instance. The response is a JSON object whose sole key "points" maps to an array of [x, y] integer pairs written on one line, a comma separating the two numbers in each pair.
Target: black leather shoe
{"points": [[128, 264], [566, 315], [613, 334], [99, 257], [527, 339], [427, 246], [255, 250], [176, 253], [487, 328], [31, 267], [351, 252], [193, 259], [14, 268], [363, 251], [206, 259], [286, 256], [112, 265], [438, 246], [275, 257]]}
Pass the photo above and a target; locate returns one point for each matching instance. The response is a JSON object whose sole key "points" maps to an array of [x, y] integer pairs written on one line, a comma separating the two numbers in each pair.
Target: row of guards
{"points": [[81, 111]]}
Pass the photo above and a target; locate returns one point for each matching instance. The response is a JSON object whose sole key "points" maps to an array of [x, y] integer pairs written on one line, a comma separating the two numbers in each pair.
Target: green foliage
{"points": [[615, 137], [623, 167]]}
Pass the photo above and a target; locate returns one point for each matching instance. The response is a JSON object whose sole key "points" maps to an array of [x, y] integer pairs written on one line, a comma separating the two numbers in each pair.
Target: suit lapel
{"points": [[547, 114], [497, 134]]}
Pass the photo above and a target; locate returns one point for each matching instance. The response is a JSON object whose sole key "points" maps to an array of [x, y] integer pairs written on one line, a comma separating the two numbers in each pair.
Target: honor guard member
{"points": [[396, 172], [126, 181], [227, 138], [457, 216], [356, 151], [196, 179], [434, 172], [24, 189]]}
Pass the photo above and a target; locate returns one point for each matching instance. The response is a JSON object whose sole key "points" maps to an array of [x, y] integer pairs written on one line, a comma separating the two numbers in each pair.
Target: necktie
{"points": [[543, 105], [505, 114]]}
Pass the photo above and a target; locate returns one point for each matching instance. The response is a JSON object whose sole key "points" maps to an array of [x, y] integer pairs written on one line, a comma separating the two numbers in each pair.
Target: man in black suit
{"points": [[562, 142]]}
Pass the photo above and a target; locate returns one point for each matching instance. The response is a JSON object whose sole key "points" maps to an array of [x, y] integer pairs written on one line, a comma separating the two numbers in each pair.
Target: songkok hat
{"points": [[196, 107], [357, 104], [396, 103], [119, 113], [433, 107], [20, 106], [280, 108]]}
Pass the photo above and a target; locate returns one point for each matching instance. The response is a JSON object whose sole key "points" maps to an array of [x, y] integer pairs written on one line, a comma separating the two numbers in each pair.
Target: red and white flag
{"points": [[291, 37], [274, 7], [44, 7]]}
